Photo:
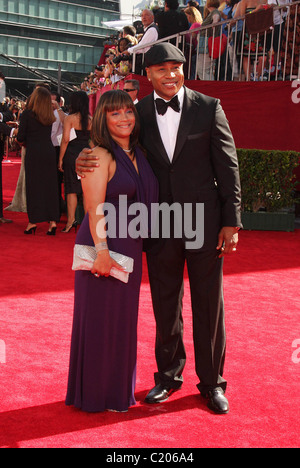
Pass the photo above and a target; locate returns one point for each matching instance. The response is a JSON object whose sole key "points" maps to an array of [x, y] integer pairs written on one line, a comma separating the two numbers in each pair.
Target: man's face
{"points": [[167, 79], [146, 18], [54, 102], [129, 89]]}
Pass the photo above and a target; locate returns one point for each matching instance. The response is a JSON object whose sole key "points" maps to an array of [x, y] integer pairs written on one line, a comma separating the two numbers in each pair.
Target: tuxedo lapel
{"points": [[190, 108], [151, 132]]}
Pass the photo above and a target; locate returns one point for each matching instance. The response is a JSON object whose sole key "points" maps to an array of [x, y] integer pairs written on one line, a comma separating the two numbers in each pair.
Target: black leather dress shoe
{"points": [[217, 401], [159, 394]]}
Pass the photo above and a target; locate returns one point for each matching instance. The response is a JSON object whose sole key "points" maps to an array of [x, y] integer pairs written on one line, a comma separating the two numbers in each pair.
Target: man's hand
{"points": [[86, 162], [228, 241]]}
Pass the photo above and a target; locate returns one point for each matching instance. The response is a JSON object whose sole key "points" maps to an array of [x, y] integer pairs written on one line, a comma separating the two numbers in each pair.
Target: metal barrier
{"points": [[273, 54]]}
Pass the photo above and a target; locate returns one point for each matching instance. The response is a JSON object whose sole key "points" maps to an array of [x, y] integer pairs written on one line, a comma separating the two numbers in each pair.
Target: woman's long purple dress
{"points": [[102, 371]]}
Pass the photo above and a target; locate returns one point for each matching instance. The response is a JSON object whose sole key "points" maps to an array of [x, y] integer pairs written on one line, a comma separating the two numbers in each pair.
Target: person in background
{"points": [[235, 36], [279, 22], [56, 136], [195, 19], [253, 48], [206, 64], [171, 21], [5, 131], [132, 87], [5, 116], [109, 70], [290, 49], [192, 3], [76, 136], [122, 62], [150, 35], [98, 80], [40, 161], [129, 31]]}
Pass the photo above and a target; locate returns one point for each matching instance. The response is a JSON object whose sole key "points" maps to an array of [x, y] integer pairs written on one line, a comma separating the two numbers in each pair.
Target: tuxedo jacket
{"points": [[204, 168]]}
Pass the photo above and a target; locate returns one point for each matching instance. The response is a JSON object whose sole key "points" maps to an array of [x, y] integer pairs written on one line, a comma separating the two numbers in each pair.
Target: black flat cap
{"points": [[164, 52]]}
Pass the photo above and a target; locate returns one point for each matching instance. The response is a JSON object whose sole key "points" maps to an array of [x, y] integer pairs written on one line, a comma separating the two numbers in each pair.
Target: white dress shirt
{"points": [[168, 125], [150, 35]]}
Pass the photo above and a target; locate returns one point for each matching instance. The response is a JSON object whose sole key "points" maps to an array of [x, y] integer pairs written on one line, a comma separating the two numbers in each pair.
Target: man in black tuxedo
{"points": [[192, 153]]}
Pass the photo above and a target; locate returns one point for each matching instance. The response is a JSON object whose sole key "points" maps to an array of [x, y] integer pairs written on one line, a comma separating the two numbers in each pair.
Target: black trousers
{"points": [[205, 270]]}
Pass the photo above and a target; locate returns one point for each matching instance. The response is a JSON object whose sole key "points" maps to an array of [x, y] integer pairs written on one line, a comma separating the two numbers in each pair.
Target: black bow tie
{"points": [[162, 106]]}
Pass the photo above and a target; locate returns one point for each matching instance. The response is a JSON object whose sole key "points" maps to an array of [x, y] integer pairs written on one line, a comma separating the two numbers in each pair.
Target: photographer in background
{"points": [[122, 61], [109, 69]]}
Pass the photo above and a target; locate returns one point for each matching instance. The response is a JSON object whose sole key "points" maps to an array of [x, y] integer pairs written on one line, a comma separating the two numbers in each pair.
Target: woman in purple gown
{"points": [[102, 371]]}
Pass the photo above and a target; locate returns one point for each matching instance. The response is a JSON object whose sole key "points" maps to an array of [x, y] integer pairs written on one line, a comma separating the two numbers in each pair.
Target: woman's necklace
{"points": [[127, 151]]}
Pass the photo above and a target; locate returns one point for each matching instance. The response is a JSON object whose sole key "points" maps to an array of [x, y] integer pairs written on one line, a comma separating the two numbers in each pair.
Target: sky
{"points": [[128, 6]]}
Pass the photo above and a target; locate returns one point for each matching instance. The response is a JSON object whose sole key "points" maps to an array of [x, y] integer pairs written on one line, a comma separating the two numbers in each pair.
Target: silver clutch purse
{"points": [[85, 255]]}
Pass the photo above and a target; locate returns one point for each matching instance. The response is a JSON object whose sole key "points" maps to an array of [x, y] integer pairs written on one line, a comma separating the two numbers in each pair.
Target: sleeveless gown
{"points": [[102, 371]]}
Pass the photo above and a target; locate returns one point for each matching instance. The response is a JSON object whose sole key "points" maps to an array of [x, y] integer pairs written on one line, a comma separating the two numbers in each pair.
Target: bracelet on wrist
{"points": [[101, 246]]}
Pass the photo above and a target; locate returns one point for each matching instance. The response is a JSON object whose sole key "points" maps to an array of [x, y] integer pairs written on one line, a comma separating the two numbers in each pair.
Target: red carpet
{"points": [[262, 304]]}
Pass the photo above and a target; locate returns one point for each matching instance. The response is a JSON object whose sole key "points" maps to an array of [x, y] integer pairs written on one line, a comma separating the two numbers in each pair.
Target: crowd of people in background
{"points": [[47, 186], [238, 59]]}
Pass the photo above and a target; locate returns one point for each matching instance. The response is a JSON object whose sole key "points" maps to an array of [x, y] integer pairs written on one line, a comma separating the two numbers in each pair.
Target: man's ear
{"points": [[148, 74]]}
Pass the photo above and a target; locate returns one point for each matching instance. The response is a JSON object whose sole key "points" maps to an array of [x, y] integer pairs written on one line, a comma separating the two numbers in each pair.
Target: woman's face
{"points": [[122, 46], [120, 123]]}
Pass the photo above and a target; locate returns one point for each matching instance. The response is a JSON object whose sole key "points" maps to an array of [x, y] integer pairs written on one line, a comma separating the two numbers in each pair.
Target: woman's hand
{"points": [[60, 165], [104, 263]]}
